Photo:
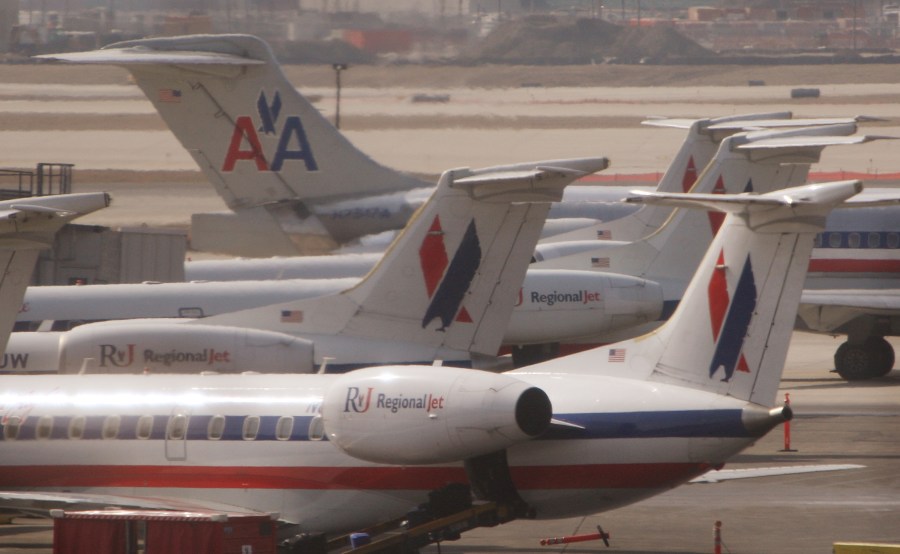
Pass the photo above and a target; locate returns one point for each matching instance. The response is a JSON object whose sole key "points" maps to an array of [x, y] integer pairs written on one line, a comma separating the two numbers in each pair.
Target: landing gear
{"points": [[529, 354], [867, 360]]}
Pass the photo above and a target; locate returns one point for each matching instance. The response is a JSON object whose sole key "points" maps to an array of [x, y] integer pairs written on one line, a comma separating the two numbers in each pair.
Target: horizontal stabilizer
{"points": [[584, 165], [799, 122], [537, 185], [811, 141], [824, 193], [748, 122], [139, 55], [734, 122]]}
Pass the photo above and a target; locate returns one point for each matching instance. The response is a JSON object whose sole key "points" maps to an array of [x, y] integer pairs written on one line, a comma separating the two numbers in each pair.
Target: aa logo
{"points": [[286, 141], [730, 317], [446, 280]]}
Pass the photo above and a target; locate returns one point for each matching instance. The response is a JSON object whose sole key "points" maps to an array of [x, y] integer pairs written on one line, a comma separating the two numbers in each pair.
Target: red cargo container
{"points": [[162, 532]]}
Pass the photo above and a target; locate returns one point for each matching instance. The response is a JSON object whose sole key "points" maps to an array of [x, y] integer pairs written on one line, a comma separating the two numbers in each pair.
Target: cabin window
{"points": [[11, 427], [819, 241], [854, 240], [874, 240], [216, 428], [251, 428], [144, 427], [893, 240], [26, 326], [284, 428], [76, 427], [190, 312], [834, 240], [44, 428], [111, 427], [316, 429], [177, 427]]}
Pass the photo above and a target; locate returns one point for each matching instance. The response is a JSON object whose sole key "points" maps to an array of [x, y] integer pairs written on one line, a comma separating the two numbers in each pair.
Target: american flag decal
{"points": [[600, 262], [169, 95], [292, 316], [604, 234], [617, 354]]}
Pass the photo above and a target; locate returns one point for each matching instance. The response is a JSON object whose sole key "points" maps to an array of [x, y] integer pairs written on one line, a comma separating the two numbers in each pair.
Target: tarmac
{"points": [[836, 423]]}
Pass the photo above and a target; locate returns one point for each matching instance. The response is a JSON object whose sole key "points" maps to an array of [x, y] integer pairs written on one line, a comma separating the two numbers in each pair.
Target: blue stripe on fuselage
{"points": [[650, 425]]}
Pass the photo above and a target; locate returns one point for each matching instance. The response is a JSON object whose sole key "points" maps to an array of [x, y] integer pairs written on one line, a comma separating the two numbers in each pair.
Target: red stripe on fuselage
{"points": [[613, 476], [838, 265]]}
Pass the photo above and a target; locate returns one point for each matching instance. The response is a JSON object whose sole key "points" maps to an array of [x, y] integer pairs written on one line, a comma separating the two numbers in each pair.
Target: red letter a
{"points": [[243, 129]]}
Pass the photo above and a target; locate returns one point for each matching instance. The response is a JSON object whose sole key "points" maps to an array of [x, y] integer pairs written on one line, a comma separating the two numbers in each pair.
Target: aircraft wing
{"points": [[717, 476], [810, 141], [138, 55], [883, 301]]}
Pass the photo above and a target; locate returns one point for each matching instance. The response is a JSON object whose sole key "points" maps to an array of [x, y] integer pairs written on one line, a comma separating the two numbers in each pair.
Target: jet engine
{"points": [[160, 347], [425, 415], [569, 305]]}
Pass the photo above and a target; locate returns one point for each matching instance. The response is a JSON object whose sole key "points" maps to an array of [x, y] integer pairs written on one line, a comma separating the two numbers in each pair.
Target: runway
{"points": [[476, 128]]}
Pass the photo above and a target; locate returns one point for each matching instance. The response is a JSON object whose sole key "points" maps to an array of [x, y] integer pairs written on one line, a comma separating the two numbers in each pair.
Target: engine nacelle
{"points": [[424, 415], [118, 347], [557, 305]]}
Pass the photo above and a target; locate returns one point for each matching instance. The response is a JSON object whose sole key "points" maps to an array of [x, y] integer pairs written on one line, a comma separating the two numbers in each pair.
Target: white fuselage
{"points": [[636, 439]]}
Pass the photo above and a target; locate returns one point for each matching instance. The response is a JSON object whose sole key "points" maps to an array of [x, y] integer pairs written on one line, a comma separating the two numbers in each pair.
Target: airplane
{"points": [[558, 309], [572, 436], [294, 183], [468, 245]]}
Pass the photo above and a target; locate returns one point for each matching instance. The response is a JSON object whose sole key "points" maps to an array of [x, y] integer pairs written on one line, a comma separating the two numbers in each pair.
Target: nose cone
{"points": [[759, 420]]}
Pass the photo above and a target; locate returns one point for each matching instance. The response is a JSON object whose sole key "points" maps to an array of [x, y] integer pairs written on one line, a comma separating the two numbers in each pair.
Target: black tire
{"points": [[853, 362], [871, 359], [883, 354], [531, 354]]}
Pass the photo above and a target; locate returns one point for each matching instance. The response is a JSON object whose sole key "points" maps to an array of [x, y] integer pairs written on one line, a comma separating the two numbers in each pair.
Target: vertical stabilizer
{"points": [[702, 143], [759, 161], [731, 332], [256, 138], [450, 279]]}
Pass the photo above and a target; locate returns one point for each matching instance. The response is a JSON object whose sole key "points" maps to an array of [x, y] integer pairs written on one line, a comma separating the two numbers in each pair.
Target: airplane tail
{"points": [[731, 331], [28, 225], [255, 137], [449, 280], [759, 161], [701, 145]]}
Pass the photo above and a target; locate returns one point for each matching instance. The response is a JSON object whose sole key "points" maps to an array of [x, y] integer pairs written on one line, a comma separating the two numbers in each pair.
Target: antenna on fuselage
{"points": [[324, 366]]}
